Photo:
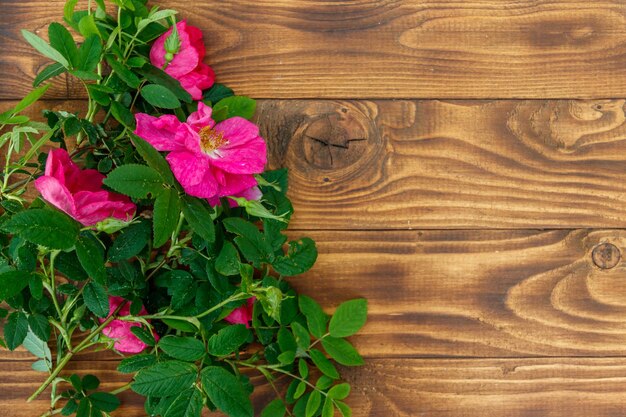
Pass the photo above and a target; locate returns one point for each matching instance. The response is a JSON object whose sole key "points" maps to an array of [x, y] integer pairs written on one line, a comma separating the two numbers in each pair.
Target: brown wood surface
{"points": [[430, 207], [415, 387], [382, 49]]}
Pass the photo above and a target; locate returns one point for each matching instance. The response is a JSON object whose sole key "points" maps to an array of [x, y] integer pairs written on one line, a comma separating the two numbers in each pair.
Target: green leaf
{"points": [[300, 390], [339, 391], [323, 364], [315, 317], [287, 358], [45, 49], [153, 158], [89, 54], [37, 347], [90, 253], [30, 98], [137, 181], [155, 17], [234, 106], [226, 392], [61, 40], [135, 363], [228, 340], [84, 408], [48, 72], [44, 227], [158, 76], [96, 299], [276, 408], [68, 10], [160, 96], [143, 334], [217, 93], [165, 379], [328, 410], [13, 282], [167, 208], [130, 242], [39, 326], [227, 262], [90, 382], [250, 240], [199, 218], [15, 330], [344, 409], [348, 318], [104, 401], [124, 73], [301, 334], [314, 402], [342, 351], [300, 258], [184, 348], [187, 404], [87, 26], [123, 115]]}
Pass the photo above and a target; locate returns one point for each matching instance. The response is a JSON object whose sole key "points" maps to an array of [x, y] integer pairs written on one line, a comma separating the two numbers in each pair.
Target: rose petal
{"points": [[184, 61], [193, 173], [55, 193], [159, 132], [245, 152]]}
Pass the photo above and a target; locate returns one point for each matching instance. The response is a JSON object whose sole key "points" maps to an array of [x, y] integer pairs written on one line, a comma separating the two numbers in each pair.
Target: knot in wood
{"points": [[334, 140], [606, 255]]}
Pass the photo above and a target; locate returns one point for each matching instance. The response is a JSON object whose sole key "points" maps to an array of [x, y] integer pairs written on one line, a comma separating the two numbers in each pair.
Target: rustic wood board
{"points": [[446, 164], [415, 387], [382, 49]]}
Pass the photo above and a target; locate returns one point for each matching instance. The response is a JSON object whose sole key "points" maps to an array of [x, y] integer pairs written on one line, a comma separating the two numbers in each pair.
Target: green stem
{"points": [[236, 297], [319, 340], [82, 345], [56, 411]]}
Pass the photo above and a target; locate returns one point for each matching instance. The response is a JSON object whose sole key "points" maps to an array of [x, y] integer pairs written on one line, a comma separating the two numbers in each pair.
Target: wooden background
{"points": [[460, 163]]}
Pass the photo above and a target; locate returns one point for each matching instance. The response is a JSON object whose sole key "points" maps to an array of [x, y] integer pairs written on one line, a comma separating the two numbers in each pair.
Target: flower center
{"points": [[210, 139]]}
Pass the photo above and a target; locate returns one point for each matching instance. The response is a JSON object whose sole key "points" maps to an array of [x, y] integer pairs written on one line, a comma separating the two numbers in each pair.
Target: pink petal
{"points": [[86, 180], [184, 61], [195, 38], [92, 208], [243, 314], [60, 166], [55, 193], [159, 132], [245, 152], [232, 184], [193, 173], [201, 118], [198, 80]]}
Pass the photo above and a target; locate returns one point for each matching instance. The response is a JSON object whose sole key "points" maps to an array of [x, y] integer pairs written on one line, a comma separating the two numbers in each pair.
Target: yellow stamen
{"points": [[210, 140]]}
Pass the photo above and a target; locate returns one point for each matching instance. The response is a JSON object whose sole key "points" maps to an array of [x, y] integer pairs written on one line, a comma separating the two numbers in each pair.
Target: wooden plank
{"points": [[473, 293], [384, 49], [438, 164], [411, 387]]}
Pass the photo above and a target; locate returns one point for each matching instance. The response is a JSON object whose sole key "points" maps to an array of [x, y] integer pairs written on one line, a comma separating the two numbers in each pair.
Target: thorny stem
{"points": [[82, 345]]}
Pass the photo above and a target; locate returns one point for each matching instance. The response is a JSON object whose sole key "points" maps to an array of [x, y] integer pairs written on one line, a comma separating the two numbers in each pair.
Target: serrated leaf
{"points": [[342, 351], [37, 347], [44, 227], [300, 258], [39, 326], [137, 181], [167, 208], [43, 48], [159, 96], [15, 330], [199, 218], [187, 404], [90, 253], [130, 242], [153, 158], [348, 318], [135, 363], [123, 115], [144, 335], [96, 299], [227, 262], [184, 348], [13, 282], [160, 77], [228, 340], [165, 379], [104, 401], [316, 318], [124, 73], [226, 392]]}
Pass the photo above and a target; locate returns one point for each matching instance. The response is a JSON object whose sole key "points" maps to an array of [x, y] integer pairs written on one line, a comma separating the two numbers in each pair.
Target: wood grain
{"points": [[413, 387], [472, 294], [439, 164], [383, 49]]}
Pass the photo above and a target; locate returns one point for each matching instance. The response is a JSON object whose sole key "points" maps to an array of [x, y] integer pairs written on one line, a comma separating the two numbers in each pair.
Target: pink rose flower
{"points": [[243, 314], [126, 341], [79, 192], [253, 193], [208, 159], [187, 66]]}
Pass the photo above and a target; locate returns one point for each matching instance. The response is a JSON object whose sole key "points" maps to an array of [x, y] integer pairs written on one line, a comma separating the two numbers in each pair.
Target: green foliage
{"points": [[165, 379], [348, 318], [136, 181], [234, 106], [182, 348], [44, 227], [226, 392]]}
